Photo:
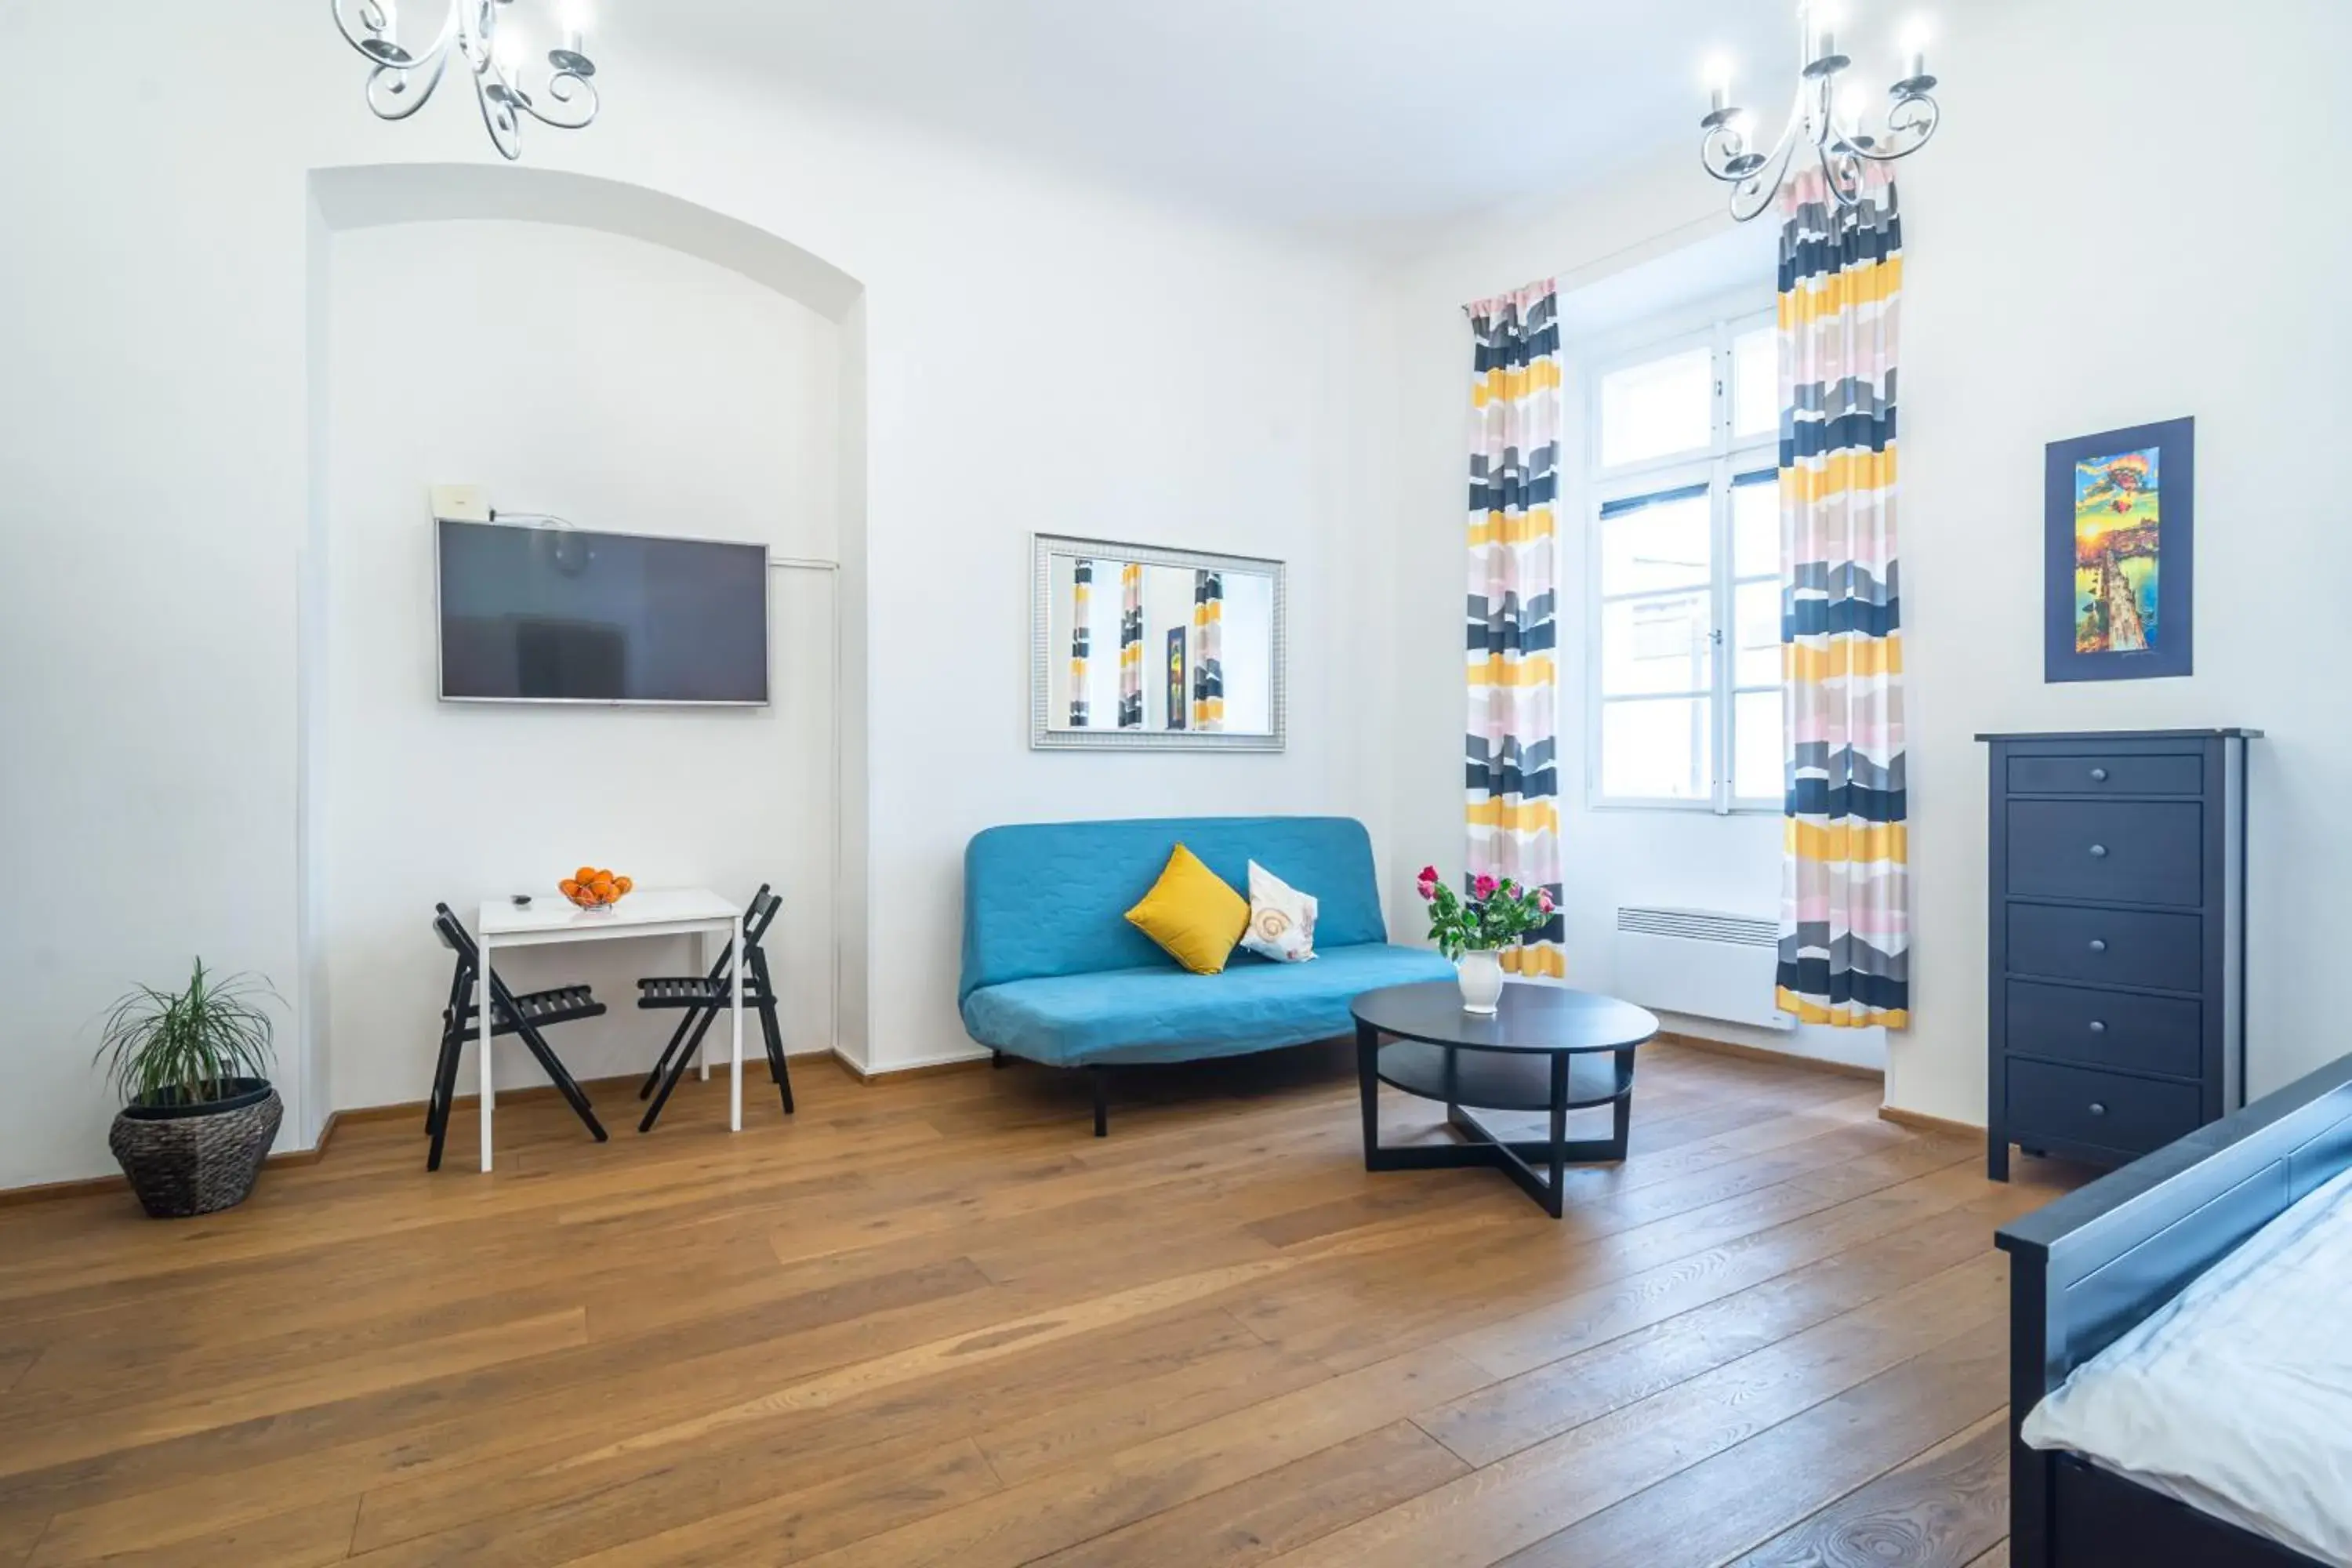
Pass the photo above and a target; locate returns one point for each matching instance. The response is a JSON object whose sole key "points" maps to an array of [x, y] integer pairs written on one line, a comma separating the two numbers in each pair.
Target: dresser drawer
{"points": [[2108, 1110], [2135, 852], [2105, 1028], [2183, 773], [2113, 947]]}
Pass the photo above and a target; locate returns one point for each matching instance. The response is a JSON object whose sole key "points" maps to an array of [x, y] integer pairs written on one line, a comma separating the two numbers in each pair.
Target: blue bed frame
{"points": [[2088, 1267]]}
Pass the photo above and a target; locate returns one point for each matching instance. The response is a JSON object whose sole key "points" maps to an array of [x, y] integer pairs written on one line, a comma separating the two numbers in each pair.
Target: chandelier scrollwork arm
{"points": [[1910, 120], [484, 36], [1754, 194]]}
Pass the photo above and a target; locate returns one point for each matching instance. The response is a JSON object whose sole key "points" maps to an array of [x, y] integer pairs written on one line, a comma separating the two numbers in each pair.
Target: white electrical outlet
{"points": [[461, 503]]}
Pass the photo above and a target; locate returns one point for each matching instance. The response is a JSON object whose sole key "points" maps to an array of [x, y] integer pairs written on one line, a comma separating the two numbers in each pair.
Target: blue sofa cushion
{"points": [[1048, 899], [1156, 1012]]}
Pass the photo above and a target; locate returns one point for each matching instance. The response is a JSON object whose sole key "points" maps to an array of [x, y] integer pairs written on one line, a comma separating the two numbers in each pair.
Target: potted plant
{"points": [[197, 1113], [1473, 931]]}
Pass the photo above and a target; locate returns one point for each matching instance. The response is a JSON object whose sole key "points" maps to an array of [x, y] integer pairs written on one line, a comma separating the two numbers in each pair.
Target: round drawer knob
{"points": [[2099, 1025], [2098, 851], [2098, 945], [2097, 1109], [2098, 775]]}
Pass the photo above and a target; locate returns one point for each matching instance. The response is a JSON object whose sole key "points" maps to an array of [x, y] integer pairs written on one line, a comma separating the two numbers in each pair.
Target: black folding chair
{"points": [[703, 997], [511, 1015]]}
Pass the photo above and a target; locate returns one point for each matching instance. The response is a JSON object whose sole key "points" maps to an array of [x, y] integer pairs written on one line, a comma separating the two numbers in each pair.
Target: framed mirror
{"points": [[1133, 647]]}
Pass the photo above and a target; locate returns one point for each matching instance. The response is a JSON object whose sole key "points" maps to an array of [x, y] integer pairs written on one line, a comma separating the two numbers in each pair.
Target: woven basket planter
{"points": [[188, 1160]]}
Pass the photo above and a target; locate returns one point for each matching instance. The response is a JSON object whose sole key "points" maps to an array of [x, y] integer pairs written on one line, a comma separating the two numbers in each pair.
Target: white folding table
{"points": [[644, 911]]}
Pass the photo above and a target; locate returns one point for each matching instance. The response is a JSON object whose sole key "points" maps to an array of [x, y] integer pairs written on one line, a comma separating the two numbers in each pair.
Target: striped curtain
{"points": [[1512, 773], [1131, 646], [1082, 587], [1208, 651], [1845, 928]]}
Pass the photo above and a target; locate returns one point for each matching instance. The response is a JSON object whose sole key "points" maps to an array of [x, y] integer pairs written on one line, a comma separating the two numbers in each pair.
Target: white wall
{"points": [[1034, 355], [2125, 218], [626, 387]]}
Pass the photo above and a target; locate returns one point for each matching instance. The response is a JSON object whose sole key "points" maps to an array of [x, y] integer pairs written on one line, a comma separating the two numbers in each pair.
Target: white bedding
{"points": [[2236, 1398]]}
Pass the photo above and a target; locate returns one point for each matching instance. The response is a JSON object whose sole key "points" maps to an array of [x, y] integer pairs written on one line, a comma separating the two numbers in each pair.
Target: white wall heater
{"points": [[1701, 962]]}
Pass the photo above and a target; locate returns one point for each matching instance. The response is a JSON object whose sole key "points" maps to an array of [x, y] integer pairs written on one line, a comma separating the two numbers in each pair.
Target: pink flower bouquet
{"points": [[1497, 913]]}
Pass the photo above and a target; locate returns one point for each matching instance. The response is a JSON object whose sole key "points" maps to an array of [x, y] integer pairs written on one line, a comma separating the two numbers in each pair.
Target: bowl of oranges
{"points": [[591, 889]]}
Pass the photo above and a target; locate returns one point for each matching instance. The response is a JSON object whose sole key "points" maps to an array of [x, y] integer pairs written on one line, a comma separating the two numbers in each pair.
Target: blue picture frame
{"points": [[2119, 565]]}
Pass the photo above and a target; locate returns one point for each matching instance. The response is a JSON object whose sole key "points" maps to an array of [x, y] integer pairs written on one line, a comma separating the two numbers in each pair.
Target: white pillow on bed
{"points": [[2236, 1396]]}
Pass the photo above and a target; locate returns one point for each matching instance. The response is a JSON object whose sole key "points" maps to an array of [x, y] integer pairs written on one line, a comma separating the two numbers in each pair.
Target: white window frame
{"points": [[1717, 466]]}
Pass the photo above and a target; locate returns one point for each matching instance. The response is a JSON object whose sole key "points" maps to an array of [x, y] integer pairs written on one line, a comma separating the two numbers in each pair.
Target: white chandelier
{"points": [[484, 35], [1828, 122]]}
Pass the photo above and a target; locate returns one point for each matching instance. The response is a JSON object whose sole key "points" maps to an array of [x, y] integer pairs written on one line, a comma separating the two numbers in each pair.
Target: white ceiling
{"points": [[1346, 117]]}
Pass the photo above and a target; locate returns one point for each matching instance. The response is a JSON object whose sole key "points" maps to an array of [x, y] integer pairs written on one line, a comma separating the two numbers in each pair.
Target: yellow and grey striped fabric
{"points": [[1845, 923], [1512, 771], [1082, 582], [1131, 646], [1208, 651]]}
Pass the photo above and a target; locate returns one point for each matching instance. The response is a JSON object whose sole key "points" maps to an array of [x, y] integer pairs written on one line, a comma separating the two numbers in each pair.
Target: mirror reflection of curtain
{"points": [[1131, 646], [1082, 578], [1209, 650]]}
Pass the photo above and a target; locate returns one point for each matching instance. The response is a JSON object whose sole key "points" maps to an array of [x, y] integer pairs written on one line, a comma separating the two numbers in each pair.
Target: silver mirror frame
{"points": [[1043, 737]]}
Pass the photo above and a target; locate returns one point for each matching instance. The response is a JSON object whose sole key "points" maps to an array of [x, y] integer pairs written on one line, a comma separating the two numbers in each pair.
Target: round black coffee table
{"points": [[1545, 1047]]}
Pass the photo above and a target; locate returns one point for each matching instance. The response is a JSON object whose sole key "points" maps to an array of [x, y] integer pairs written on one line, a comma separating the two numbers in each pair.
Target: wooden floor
{"points": [[933, 1321]]}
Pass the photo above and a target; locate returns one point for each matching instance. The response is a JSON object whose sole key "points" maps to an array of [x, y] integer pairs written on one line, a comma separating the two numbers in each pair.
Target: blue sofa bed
{"points": [[1054, 974]]}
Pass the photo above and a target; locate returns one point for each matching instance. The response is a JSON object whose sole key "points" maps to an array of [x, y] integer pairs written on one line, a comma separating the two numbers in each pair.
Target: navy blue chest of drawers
{"points": [[2118, 946]]}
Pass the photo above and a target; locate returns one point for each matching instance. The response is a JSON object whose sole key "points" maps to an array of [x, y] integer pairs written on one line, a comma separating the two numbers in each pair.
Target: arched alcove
{"points": [[344, 200]]}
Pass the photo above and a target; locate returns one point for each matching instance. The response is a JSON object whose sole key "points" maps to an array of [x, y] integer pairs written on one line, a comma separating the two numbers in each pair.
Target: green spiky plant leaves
{"points": [[166, 1047]]}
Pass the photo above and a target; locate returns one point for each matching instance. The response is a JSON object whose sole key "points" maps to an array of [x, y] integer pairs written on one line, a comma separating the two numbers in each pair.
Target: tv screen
{"points": [[561, 614]]}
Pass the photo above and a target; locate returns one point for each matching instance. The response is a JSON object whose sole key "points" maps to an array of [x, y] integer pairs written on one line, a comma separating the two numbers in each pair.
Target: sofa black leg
{"points": [[1101, 1077], [995, 1059]]}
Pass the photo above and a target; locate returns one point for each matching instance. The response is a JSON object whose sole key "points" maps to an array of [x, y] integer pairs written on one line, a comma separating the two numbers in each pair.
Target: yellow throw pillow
{"points": [[1192, 913]]}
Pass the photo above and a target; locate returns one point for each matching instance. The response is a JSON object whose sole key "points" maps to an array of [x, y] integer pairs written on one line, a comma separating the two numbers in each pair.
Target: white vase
{"points": [[1480, 973]]}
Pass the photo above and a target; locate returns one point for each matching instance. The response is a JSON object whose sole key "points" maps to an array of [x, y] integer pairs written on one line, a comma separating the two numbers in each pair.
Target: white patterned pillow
{"points": [[1281, 919]]}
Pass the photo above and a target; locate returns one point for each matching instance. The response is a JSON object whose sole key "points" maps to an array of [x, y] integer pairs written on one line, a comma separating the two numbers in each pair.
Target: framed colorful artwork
{"points": [[2119, 541]]}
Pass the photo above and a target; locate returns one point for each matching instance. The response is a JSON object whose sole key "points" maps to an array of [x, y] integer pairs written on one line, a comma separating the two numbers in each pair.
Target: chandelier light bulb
{"points": [[574, 16], [1719, 82], [508, 51], [1915, 48], [1821, 19]]}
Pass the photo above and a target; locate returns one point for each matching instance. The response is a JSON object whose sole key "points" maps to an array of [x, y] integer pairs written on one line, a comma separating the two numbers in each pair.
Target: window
{"points": [[1686, 580]]}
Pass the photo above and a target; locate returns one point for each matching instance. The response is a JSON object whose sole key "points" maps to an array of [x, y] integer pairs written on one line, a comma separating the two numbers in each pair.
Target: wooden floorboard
{"points": [[931, 1321], [1947, 1507]]}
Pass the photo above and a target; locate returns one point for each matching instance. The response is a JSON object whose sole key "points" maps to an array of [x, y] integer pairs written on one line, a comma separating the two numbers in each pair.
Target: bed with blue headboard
{"points": [[2094, 1265]]}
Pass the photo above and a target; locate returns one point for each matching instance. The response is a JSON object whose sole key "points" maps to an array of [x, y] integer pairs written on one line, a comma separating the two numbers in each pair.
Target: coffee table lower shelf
{"points": [[1466, 1078]]}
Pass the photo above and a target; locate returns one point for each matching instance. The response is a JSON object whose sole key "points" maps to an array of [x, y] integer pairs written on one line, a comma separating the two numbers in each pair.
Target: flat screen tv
{"points": [[561, 614]]}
